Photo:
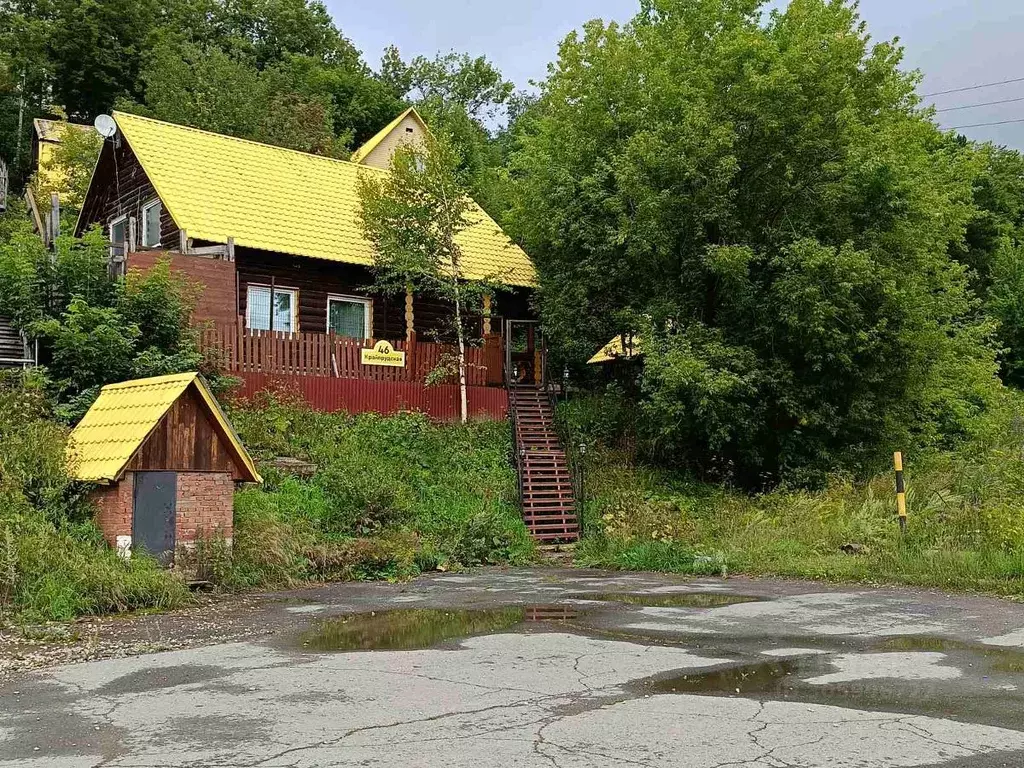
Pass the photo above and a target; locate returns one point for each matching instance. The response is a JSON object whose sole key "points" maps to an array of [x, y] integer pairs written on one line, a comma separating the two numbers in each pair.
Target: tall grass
{"points": [[53, 561], [390, 496], [965, 532]]}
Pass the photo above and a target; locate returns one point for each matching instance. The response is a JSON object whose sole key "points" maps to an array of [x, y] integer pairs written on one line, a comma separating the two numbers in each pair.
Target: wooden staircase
{"points": [[14, 349], [545, 485]]}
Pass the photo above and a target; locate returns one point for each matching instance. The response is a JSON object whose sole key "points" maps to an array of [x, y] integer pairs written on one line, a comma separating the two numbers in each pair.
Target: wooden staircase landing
{"points": [[546, 490]]}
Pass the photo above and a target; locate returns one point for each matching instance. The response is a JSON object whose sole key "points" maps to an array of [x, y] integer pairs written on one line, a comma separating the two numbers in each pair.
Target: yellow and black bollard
{"points": [[901, 490]]}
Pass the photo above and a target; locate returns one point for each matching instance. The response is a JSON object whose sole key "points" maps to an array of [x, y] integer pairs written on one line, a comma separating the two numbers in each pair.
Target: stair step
{"points": [[553, 526]]}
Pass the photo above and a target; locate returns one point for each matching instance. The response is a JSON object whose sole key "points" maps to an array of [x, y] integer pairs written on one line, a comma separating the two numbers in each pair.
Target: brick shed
{"points": [[165, 459]]}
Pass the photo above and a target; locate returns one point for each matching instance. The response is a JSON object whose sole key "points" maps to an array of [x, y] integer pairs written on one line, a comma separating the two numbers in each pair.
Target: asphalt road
{"points": [[555, 669]]}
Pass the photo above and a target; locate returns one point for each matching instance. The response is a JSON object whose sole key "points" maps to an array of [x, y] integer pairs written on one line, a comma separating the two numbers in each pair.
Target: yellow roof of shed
{"points": [[617, 349], [276, 199], [124, 415]]}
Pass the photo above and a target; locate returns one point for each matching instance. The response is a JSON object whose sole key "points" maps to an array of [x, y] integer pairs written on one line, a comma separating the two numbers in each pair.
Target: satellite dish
{"points": [[105, 126]]}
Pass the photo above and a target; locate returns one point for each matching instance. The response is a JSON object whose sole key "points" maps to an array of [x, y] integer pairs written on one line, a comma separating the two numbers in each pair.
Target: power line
{"points": [[981, 125], [983, 104], [973, 87]]}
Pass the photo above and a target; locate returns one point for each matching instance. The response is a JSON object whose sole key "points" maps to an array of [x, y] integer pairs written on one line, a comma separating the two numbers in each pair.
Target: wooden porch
{"points": [[238, 350], [327, 371]]}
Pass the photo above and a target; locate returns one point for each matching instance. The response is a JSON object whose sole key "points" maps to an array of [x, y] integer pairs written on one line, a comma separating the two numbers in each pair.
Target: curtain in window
{"points": [[258, 309], [347, 318]]}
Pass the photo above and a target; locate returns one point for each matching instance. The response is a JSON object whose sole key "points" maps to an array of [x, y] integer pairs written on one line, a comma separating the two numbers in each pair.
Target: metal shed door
{"points": [[154, 514]]}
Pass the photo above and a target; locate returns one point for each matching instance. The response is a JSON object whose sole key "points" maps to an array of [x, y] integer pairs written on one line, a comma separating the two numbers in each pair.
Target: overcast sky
{"points": [[955, 43]]}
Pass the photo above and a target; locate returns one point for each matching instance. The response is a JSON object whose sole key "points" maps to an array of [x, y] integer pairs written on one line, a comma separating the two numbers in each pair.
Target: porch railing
{"points": [[241, 350]]}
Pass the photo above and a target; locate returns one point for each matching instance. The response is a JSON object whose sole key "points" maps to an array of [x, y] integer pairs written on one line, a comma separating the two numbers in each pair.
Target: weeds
{"points": [[966, 528], [391, 496]]}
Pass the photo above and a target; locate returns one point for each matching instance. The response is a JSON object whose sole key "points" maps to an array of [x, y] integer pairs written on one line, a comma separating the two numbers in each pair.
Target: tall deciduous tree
{"points": [[414, 216], [763, 194]]}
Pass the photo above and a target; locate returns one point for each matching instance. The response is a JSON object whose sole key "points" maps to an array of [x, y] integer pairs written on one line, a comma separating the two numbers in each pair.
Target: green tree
{"points": [[763, 197], [68, 170], [993, 249], [458, 95], [414, 216]]}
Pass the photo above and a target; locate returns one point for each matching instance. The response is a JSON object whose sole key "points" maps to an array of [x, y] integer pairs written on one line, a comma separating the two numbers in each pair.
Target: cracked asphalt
{"points": [[551, 668]]}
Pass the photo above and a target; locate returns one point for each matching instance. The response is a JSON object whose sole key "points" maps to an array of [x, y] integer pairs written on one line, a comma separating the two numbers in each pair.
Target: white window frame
{"points": [[367, 311], [113, 223], [145, 229], [276, 289]]}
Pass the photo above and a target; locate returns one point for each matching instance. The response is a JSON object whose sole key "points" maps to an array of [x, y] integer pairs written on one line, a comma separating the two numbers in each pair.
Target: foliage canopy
{"points": [[764, 201]]}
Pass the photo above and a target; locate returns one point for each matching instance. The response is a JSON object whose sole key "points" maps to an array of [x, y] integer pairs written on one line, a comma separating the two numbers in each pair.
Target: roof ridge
{"points": [[131, 116], [165, 378]]}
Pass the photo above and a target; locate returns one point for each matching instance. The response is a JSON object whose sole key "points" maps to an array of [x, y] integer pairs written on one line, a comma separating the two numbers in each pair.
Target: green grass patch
{"points": [[390, 497], [966, 524]]}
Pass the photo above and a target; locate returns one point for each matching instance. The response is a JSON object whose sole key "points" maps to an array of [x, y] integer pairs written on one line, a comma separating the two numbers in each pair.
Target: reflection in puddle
{"points": [[760, 677], [998, 659], [671, 600], [410, 628]]}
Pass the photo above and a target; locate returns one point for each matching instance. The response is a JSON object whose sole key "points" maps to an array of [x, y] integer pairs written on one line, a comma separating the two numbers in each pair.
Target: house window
{"points": [[119, 236], [151, 224], [257, 309], [348, 316]]}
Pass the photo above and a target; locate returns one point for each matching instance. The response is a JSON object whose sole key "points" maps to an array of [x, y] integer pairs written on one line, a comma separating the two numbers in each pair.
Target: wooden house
{"points": [[274, 237], [165, 460]]}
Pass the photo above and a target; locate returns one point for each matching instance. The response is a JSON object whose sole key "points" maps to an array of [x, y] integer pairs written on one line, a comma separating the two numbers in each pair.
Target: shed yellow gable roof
{"points": [[617, 349], [276, 199], [125, 414]]}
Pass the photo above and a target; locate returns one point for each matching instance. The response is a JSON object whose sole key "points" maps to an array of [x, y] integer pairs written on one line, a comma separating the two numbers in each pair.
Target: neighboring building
{"points": [[46, 138], [274, 235], [166, 460]]}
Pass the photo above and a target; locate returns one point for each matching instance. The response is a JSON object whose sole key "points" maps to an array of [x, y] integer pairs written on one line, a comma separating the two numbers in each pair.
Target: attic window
{"points": [[408, 130]]}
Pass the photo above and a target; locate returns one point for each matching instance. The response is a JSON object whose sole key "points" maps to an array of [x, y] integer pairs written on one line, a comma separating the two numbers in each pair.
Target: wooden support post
{"points": [[54, 216], [487, 314], [901, 490], [231, 249], [409, 317]]}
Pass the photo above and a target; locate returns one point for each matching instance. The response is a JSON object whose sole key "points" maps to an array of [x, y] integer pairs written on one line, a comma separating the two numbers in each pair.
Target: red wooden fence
{"points": [[239, 350], [440, 402]]}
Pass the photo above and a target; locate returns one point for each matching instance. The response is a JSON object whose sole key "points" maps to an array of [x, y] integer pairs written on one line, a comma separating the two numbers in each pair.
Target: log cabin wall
{"points": [[186, 439], [315, 280], [121, 187]]}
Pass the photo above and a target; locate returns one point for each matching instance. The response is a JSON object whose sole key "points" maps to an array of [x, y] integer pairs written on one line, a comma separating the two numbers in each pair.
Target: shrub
{"points": [[429, 495], [53, 561]]}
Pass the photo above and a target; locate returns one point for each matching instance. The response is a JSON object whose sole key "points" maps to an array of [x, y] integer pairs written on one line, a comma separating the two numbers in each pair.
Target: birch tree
{"points": [[413, 216]]}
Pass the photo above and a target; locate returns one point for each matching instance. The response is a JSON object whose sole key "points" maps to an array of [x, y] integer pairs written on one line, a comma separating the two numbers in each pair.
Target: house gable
{"points": [[119, 187], [407, 128]]}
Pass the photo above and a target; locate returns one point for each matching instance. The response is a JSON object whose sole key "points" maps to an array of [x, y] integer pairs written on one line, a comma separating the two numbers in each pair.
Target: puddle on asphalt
{"points": [[1005, 660], [670, 600], [759, 677], [405, 629]]}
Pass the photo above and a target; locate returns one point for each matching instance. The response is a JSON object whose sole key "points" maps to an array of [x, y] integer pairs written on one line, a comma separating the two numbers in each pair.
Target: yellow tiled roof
{"points": [[275, 199], [616, 349], [125, 414]]}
